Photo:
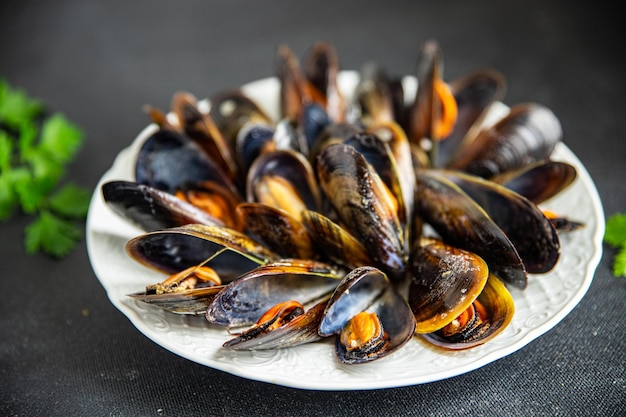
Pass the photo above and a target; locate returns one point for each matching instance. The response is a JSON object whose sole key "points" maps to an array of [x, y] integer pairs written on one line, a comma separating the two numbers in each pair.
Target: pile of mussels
{"points": [[371, 220]]}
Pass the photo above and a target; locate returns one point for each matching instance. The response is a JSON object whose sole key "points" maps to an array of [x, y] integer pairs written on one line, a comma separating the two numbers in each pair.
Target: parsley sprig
{"points": [[615, 235], [35, 149]]}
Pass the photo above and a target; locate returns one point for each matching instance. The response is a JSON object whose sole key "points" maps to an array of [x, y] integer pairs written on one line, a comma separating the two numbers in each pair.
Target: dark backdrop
{"points": [[65, 350]]}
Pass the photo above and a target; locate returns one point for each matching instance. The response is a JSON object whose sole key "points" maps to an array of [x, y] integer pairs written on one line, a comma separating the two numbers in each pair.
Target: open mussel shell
{"points": [[527, 134], [253, 139], [294, 92], [284, 179], [373, 96], [297, 330], [313, 122], [277, 230], [289, 134], [484, 320], [246, 299], [168, 160], [152, 209], [364, 205], [463, 223], [444, 282], [526, 226], [200, 127], [229, 252], [192, 301], [309, 98], [367, 290], [540, 181], [231, 110], [213, 198], [334, 242], [320, 66], [425, 109], [474, 94]]}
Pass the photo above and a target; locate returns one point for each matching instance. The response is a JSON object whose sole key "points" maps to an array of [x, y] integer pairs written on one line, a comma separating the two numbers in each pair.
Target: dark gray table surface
{"points": [[66, 350]]}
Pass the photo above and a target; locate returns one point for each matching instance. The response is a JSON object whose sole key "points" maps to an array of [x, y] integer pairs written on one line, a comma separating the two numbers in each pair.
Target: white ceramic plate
{"points": [[546, 301]]}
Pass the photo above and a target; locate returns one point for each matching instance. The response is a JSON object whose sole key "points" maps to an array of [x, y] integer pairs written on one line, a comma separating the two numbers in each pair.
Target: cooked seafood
{"points": [[368, 216]]}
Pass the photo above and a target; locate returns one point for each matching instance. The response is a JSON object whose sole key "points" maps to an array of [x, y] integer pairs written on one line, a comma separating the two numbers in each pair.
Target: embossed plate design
{"points": [[546, 301]]}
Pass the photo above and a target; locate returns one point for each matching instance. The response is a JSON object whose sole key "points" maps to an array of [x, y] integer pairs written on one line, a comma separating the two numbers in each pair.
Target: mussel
{"points": [[526, 135], [187, 292], [364, 204], [462, 222], [152, 209], [445, 281], [227, 251], [285, 325], [456, 302], [368, 315], [244, 301]]}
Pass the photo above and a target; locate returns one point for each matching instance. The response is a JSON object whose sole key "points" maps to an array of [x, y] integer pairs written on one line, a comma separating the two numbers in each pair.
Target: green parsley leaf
{"points": [[7, 196], [31, 193], [52, 234], [27, 136], [6, 151], [44, 169], [619, 264], [60, 138], [16, 106], [615, 232], [615, 235], [71, 201], [34, 151]]}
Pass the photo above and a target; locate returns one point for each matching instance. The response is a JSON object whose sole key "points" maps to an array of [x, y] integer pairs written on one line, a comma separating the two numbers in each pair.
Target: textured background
{"points": [[65, 350]]}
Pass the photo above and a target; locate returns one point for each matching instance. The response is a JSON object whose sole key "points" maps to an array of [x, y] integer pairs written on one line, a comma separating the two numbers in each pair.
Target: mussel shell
{"points": [[294, 168], [378, 154], [244, 300], [253, 139], [320, 66], [424, 109], [444, 281], [293, 92], [540, 181], [152, 209], [401, 169], [200, 127], [313, 121], [277, 230], [288, 134], [530, 231], [215, 199], [461, 222], [191, 301], [474, 94], [333, 133], [334, 242], [529, 133], [172, 250], [500, 310], [231, 110], [368, 289], [169, 160], [373, 99], [363, 204], [298, 331]]}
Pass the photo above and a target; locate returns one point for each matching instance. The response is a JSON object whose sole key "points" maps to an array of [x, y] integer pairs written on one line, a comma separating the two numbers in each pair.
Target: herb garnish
{"points": [[615, 235], [35, 149]]}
